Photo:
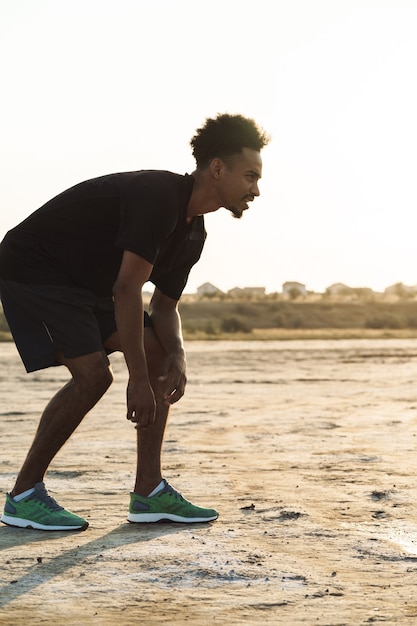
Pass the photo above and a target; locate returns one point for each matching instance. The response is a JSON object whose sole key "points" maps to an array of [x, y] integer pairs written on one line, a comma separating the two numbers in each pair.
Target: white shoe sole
{"points": [[159, 517], [24, 523]]}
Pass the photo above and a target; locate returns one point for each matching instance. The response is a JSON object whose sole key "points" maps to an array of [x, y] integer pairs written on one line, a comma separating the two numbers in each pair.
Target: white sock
{"points": [[23, 495], [157, 489]]}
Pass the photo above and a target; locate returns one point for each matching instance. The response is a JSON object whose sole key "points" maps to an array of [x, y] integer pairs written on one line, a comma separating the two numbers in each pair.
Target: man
{"points": [[71, 279]]}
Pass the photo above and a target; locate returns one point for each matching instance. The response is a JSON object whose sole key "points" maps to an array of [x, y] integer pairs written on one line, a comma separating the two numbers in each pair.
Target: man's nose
{"points": [[255, 189]]}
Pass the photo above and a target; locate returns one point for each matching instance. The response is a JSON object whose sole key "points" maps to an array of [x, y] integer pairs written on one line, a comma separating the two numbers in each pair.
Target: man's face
{"points": [[239, 181]]}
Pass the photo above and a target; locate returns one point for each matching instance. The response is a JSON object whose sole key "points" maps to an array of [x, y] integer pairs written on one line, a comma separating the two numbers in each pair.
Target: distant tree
{"points": [[294, 293], [234, 325], [210, 329]]}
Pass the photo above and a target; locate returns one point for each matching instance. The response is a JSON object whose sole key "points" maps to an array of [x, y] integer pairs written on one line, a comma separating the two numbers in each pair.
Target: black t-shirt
{"points": [[78, 237]]}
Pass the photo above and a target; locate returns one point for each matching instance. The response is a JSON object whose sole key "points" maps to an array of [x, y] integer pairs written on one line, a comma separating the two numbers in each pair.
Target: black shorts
{"points": [[46, 319]]}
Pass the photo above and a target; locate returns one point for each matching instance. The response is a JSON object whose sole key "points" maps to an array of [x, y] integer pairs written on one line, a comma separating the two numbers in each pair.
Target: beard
{"points": [[235, 212]]}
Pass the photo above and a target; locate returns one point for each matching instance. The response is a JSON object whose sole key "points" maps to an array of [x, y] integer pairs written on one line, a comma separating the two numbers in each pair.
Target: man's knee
{"points": [[101, 378], [91, 371]]}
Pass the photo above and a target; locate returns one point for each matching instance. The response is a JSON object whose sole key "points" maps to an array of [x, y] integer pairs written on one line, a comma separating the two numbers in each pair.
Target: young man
{"points": [[71, 279]]}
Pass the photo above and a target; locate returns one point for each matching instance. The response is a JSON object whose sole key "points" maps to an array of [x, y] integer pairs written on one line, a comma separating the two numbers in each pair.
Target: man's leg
{"points": [[91, 377], [166, 503], [150, 440]]}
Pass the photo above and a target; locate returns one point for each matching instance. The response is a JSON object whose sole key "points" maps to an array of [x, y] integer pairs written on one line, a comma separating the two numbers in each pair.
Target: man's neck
{"points": [[203, 197]]}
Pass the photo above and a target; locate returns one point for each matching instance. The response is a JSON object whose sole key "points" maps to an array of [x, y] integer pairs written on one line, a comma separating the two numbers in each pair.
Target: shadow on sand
{"points": [[123, 535]]}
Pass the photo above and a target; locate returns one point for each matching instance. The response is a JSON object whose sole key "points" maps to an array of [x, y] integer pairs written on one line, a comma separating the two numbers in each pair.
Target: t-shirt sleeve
{"points": [[148, 216], [173, 283], [171, 271]]}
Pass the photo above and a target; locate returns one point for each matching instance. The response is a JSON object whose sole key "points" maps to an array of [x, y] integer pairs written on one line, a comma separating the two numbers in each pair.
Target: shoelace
{"points": [[173, 492], [43, 496]]}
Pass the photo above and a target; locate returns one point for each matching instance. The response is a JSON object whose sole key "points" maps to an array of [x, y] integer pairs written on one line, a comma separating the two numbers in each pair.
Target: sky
{"points": [[90, 87]]}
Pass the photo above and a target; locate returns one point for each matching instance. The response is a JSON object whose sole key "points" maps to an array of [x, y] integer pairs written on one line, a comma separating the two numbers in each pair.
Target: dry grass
{"points": [[288, 334], [285, 320]]}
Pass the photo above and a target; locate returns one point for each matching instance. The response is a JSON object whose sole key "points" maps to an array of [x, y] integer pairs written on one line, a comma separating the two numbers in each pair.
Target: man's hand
{"points": [[141, 404], [172, 378]]}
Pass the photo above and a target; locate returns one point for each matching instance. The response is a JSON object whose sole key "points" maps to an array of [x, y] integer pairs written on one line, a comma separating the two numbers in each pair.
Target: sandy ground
{"points": [[307, 449]]}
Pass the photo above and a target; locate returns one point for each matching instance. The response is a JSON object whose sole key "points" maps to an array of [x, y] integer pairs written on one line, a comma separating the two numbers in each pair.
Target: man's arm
{"points": [[127, 291], [166, 323]]}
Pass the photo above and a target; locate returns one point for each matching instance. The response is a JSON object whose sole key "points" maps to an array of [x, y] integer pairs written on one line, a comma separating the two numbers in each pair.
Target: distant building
{"points": [[207, 289], [401, 290], [247, 292], [294, 289], [339, 289]]}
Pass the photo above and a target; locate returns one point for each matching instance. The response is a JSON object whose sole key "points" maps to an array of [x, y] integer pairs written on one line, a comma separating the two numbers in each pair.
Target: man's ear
{"points": [[216, 167]]}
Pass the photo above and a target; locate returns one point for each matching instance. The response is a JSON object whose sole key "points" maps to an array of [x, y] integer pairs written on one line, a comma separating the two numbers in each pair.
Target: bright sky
{"points": [[91, 87]]}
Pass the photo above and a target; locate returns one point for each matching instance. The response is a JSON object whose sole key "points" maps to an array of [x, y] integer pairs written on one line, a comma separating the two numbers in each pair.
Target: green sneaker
{"points": [[40, 511], [167, 504]]}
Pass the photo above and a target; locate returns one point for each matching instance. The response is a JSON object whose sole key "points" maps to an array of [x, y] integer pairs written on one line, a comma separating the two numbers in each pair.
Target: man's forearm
{"points": [[166, 323], [128, 307], [167, 327]]}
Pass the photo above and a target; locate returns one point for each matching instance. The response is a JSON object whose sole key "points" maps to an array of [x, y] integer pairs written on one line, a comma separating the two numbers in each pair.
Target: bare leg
{"points": [[91, 377], [149, 441], [149, 444]]}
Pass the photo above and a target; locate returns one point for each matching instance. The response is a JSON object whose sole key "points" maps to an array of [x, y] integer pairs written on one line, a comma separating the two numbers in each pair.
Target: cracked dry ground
{"points": [[305, 448]]}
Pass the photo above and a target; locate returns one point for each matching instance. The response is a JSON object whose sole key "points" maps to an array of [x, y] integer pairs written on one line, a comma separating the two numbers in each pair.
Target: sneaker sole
{"points": [[24, 523], [159, 517]]}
